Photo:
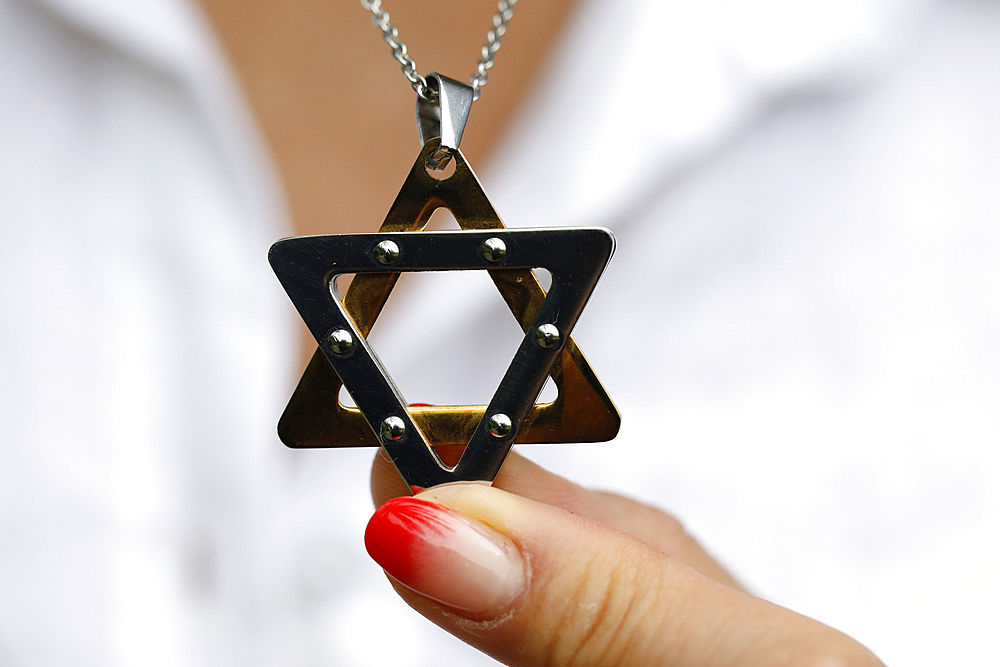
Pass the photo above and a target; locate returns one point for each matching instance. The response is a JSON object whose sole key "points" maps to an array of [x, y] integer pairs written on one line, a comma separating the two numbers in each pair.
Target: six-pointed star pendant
{"points": [[307, 268]]}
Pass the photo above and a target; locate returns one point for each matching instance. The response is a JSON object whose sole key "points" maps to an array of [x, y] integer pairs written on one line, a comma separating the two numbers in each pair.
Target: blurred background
{"points": [[800, 327]]}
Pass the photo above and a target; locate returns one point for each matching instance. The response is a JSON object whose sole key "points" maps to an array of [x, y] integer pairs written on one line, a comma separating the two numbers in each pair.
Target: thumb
{"points": [[531, 584]]}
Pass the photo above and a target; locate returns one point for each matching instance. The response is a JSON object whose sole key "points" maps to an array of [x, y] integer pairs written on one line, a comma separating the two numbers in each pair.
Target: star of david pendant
{"points": [[307, 268]]}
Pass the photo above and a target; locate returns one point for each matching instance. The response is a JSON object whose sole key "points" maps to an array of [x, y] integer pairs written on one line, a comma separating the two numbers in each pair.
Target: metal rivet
{"points": [[500, 424], [341, 341], [547, 336], [494, 249], [386, 252], [393, 428]]}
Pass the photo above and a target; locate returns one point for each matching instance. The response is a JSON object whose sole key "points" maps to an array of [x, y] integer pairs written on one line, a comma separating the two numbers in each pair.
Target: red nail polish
{"points": [[444, 555], [399, 531]]}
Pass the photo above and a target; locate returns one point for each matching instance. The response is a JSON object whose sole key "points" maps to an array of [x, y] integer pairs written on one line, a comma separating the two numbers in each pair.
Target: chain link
{"points": [[380, 19], [505, 11]]}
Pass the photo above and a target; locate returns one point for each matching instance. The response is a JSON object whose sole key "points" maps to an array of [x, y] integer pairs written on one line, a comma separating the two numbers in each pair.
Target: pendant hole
{"points": [[442, 220], [339, 285], [345, 399], [544, 277], [548, 394], [441, 174]]}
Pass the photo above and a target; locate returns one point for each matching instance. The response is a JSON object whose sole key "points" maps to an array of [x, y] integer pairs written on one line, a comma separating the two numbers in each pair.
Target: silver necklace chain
{"points": [[380, 18]]}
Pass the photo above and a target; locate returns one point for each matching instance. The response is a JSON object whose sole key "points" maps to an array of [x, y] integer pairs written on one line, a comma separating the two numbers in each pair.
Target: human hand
{"points": [[536, 570]]}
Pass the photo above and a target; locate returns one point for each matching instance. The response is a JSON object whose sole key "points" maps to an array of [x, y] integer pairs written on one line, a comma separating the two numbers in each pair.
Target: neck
{"points": [[335, 108]]}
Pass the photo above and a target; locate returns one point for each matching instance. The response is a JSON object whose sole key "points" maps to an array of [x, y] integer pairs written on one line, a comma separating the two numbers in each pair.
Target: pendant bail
{"points": [[444, 116]]}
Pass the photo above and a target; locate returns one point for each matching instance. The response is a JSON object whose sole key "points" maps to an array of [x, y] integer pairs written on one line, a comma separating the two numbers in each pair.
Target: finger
{"points": [[529, 480], [532, 584]]}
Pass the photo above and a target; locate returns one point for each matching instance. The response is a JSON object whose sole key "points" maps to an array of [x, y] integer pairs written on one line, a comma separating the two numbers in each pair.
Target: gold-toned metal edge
{"points": [[582, 411]]}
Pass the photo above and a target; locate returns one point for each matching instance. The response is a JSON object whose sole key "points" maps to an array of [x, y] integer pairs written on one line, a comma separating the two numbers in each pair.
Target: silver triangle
{"points": [[307, 268]]}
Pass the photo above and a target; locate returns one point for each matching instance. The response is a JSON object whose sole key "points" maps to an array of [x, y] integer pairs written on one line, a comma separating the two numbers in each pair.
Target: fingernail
{"points": [[445, 556]]}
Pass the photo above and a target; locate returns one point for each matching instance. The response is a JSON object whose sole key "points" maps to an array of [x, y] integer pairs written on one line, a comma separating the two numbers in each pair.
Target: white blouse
{"points": [[800, 327]]}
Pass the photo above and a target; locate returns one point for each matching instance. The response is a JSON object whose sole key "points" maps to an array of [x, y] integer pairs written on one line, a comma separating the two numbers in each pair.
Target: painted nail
{"points": [[445, 556]]}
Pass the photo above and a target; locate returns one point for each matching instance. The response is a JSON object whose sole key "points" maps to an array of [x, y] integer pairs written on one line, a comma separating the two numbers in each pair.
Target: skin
{"points": [[612, 582], [338, 118]]}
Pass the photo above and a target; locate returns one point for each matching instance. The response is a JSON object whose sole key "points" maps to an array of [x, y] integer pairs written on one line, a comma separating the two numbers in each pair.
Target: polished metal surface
{"points": [[547, 336], [341, 341], [582, 410], [444, 117], [386, 252], [494, 249], [393, 428], [576, 258], [380, 19], [500, 425]]}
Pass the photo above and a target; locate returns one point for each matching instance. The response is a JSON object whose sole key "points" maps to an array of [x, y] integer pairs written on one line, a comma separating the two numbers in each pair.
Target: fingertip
{"points": [[446, 556], [385, 482]]}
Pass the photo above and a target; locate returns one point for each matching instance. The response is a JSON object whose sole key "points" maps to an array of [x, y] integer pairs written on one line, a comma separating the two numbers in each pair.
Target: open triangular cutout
{"points": [[582, 412], [446, 337]]}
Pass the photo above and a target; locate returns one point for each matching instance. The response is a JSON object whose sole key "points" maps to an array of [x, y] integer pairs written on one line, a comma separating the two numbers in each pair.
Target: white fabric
{"points": [[144, 345], [804, 303]]}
